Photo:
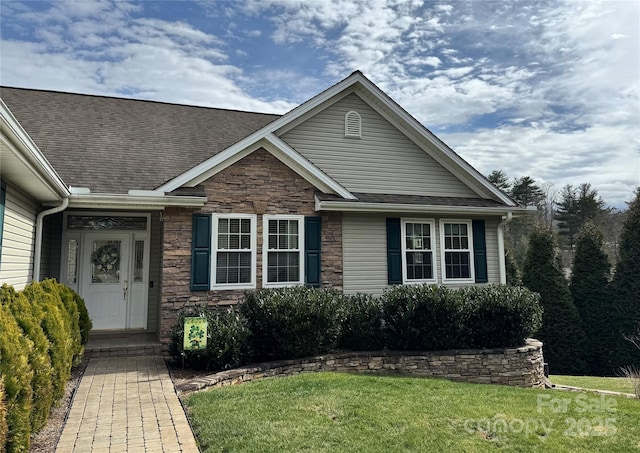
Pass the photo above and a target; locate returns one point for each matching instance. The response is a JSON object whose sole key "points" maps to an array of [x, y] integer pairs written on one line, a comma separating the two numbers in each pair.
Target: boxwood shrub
{"points": [[285, 323], [500, 316], [362, 327], [427, 318], [423, 317], [28, 316], [15, 349], [293, 322], [227, 339]]}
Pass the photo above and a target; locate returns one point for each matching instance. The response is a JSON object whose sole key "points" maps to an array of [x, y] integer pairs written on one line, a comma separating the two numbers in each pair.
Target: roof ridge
{"points": [[118, 98]]}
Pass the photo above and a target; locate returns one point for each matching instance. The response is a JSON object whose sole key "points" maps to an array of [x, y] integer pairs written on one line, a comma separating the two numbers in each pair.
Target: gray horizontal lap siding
{"points": [[364, 249], [365, 252], [383, 161], [16, 267]]}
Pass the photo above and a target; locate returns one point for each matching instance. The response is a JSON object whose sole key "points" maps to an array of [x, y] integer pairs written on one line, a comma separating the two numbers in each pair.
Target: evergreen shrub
{"points": [[227, 339], [3, 415], [499, 316], [561, 330], [362, 328], [423, 318], [84, 321], [625, 287], [29, 317], [56, 325], [287, 323], [590, 289], [15, 349], [65, 294]]}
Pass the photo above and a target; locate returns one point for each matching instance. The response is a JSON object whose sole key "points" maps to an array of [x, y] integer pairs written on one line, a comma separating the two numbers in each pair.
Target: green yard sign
{"points": [[195, 333]]}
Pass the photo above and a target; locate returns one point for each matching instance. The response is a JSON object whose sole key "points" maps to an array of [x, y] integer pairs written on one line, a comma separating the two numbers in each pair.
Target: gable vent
{"points": [[352, 125]]}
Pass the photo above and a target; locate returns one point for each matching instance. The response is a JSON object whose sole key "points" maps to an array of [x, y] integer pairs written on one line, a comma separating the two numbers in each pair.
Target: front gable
{"points": [[382, 160], [395, 154]]}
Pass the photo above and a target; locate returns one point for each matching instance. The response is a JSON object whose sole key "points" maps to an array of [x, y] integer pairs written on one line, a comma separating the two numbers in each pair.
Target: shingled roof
{"points": [[112, 145]]}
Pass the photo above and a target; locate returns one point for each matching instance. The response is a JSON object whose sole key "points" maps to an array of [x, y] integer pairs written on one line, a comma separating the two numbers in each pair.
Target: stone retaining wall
{"points": [[522, 367]]}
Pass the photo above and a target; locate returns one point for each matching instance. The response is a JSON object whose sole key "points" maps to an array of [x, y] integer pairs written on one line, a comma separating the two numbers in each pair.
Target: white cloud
{"points": [[99, 50], [592, 155], [547, 89]]}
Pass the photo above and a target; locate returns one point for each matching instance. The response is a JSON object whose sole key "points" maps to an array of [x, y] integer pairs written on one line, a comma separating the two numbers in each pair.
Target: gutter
{"points": [[501, 259], [38, 245], [399, 208]]}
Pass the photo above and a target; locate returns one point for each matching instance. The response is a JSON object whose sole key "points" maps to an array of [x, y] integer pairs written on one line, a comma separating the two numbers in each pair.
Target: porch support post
{"points": [[501, 259]]}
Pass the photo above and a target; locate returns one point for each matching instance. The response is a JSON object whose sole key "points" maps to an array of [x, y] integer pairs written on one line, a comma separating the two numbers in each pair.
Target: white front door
{"points": [[105, 283]]}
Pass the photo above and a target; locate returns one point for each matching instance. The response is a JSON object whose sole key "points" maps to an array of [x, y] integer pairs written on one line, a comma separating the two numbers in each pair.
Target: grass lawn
{"points": [[331, 412], [615, 384]]}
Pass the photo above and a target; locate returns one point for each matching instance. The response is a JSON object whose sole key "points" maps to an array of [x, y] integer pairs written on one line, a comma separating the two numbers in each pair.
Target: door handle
{"points": [[125, 287]]}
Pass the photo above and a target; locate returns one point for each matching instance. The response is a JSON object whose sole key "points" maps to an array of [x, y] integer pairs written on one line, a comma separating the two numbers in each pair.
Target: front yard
{"points": [[345, 413]]}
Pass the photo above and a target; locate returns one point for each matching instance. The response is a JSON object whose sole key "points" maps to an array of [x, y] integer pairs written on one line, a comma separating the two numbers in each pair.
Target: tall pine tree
{"points": [[561, 330], [589, 281], [625, 286], [500, 179], [577, 206]]}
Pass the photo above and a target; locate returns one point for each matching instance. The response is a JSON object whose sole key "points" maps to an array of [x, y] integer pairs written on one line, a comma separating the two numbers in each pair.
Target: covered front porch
{"points": [[113, 260]]}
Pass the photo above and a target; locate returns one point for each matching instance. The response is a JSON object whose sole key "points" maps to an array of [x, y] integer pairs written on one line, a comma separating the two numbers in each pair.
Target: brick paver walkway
{"points": [[126, 404]]}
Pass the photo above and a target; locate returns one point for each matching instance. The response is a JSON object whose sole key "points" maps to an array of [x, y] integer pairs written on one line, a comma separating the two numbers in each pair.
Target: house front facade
{"points": [[170, 205]]}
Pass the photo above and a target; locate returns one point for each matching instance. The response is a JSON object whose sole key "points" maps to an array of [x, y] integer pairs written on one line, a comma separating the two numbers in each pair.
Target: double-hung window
{"points": [[418, 240], [457, 246], [283, 247], [234, 247]]}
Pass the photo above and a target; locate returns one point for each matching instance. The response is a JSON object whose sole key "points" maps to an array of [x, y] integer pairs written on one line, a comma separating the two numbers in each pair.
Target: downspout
{"points": [[38, 248], [501, 260]]}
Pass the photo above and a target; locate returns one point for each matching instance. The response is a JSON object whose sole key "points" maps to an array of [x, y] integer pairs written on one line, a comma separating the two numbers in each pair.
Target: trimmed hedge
{"points": [[362, 325], [28, 316], [40, 337], [500, 316], [227, 339], [84, 321], [288, 323], [3, 414], [15, 349], [65, 294], [56, 323], [422, 318]]}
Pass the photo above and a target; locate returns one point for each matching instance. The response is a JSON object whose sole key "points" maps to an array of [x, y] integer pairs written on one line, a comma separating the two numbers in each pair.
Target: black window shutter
{"points": [[312, 246], [480, 251], [201, 252], [394, 250]]}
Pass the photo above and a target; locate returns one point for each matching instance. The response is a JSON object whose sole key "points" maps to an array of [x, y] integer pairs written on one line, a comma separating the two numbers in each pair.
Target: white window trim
{"points": [[265, 249], [214, 254], [443, 264], [403, 239]]}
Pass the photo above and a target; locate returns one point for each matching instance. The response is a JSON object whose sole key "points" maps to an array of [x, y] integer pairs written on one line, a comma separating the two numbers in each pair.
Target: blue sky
{"points": [[546, 89]]}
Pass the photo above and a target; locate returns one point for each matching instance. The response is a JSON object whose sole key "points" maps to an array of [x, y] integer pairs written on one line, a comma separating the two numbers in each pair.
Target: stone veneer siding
{"points": [[257, 184], [522, 367]]}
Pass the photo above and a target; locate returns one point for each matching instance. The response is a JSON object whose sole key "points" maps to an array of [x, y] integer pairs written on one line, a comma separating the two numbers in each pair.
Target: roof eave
{"points": [[194, 173], [134, 202], [400, 208], [430, 137], [26, 154]]}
